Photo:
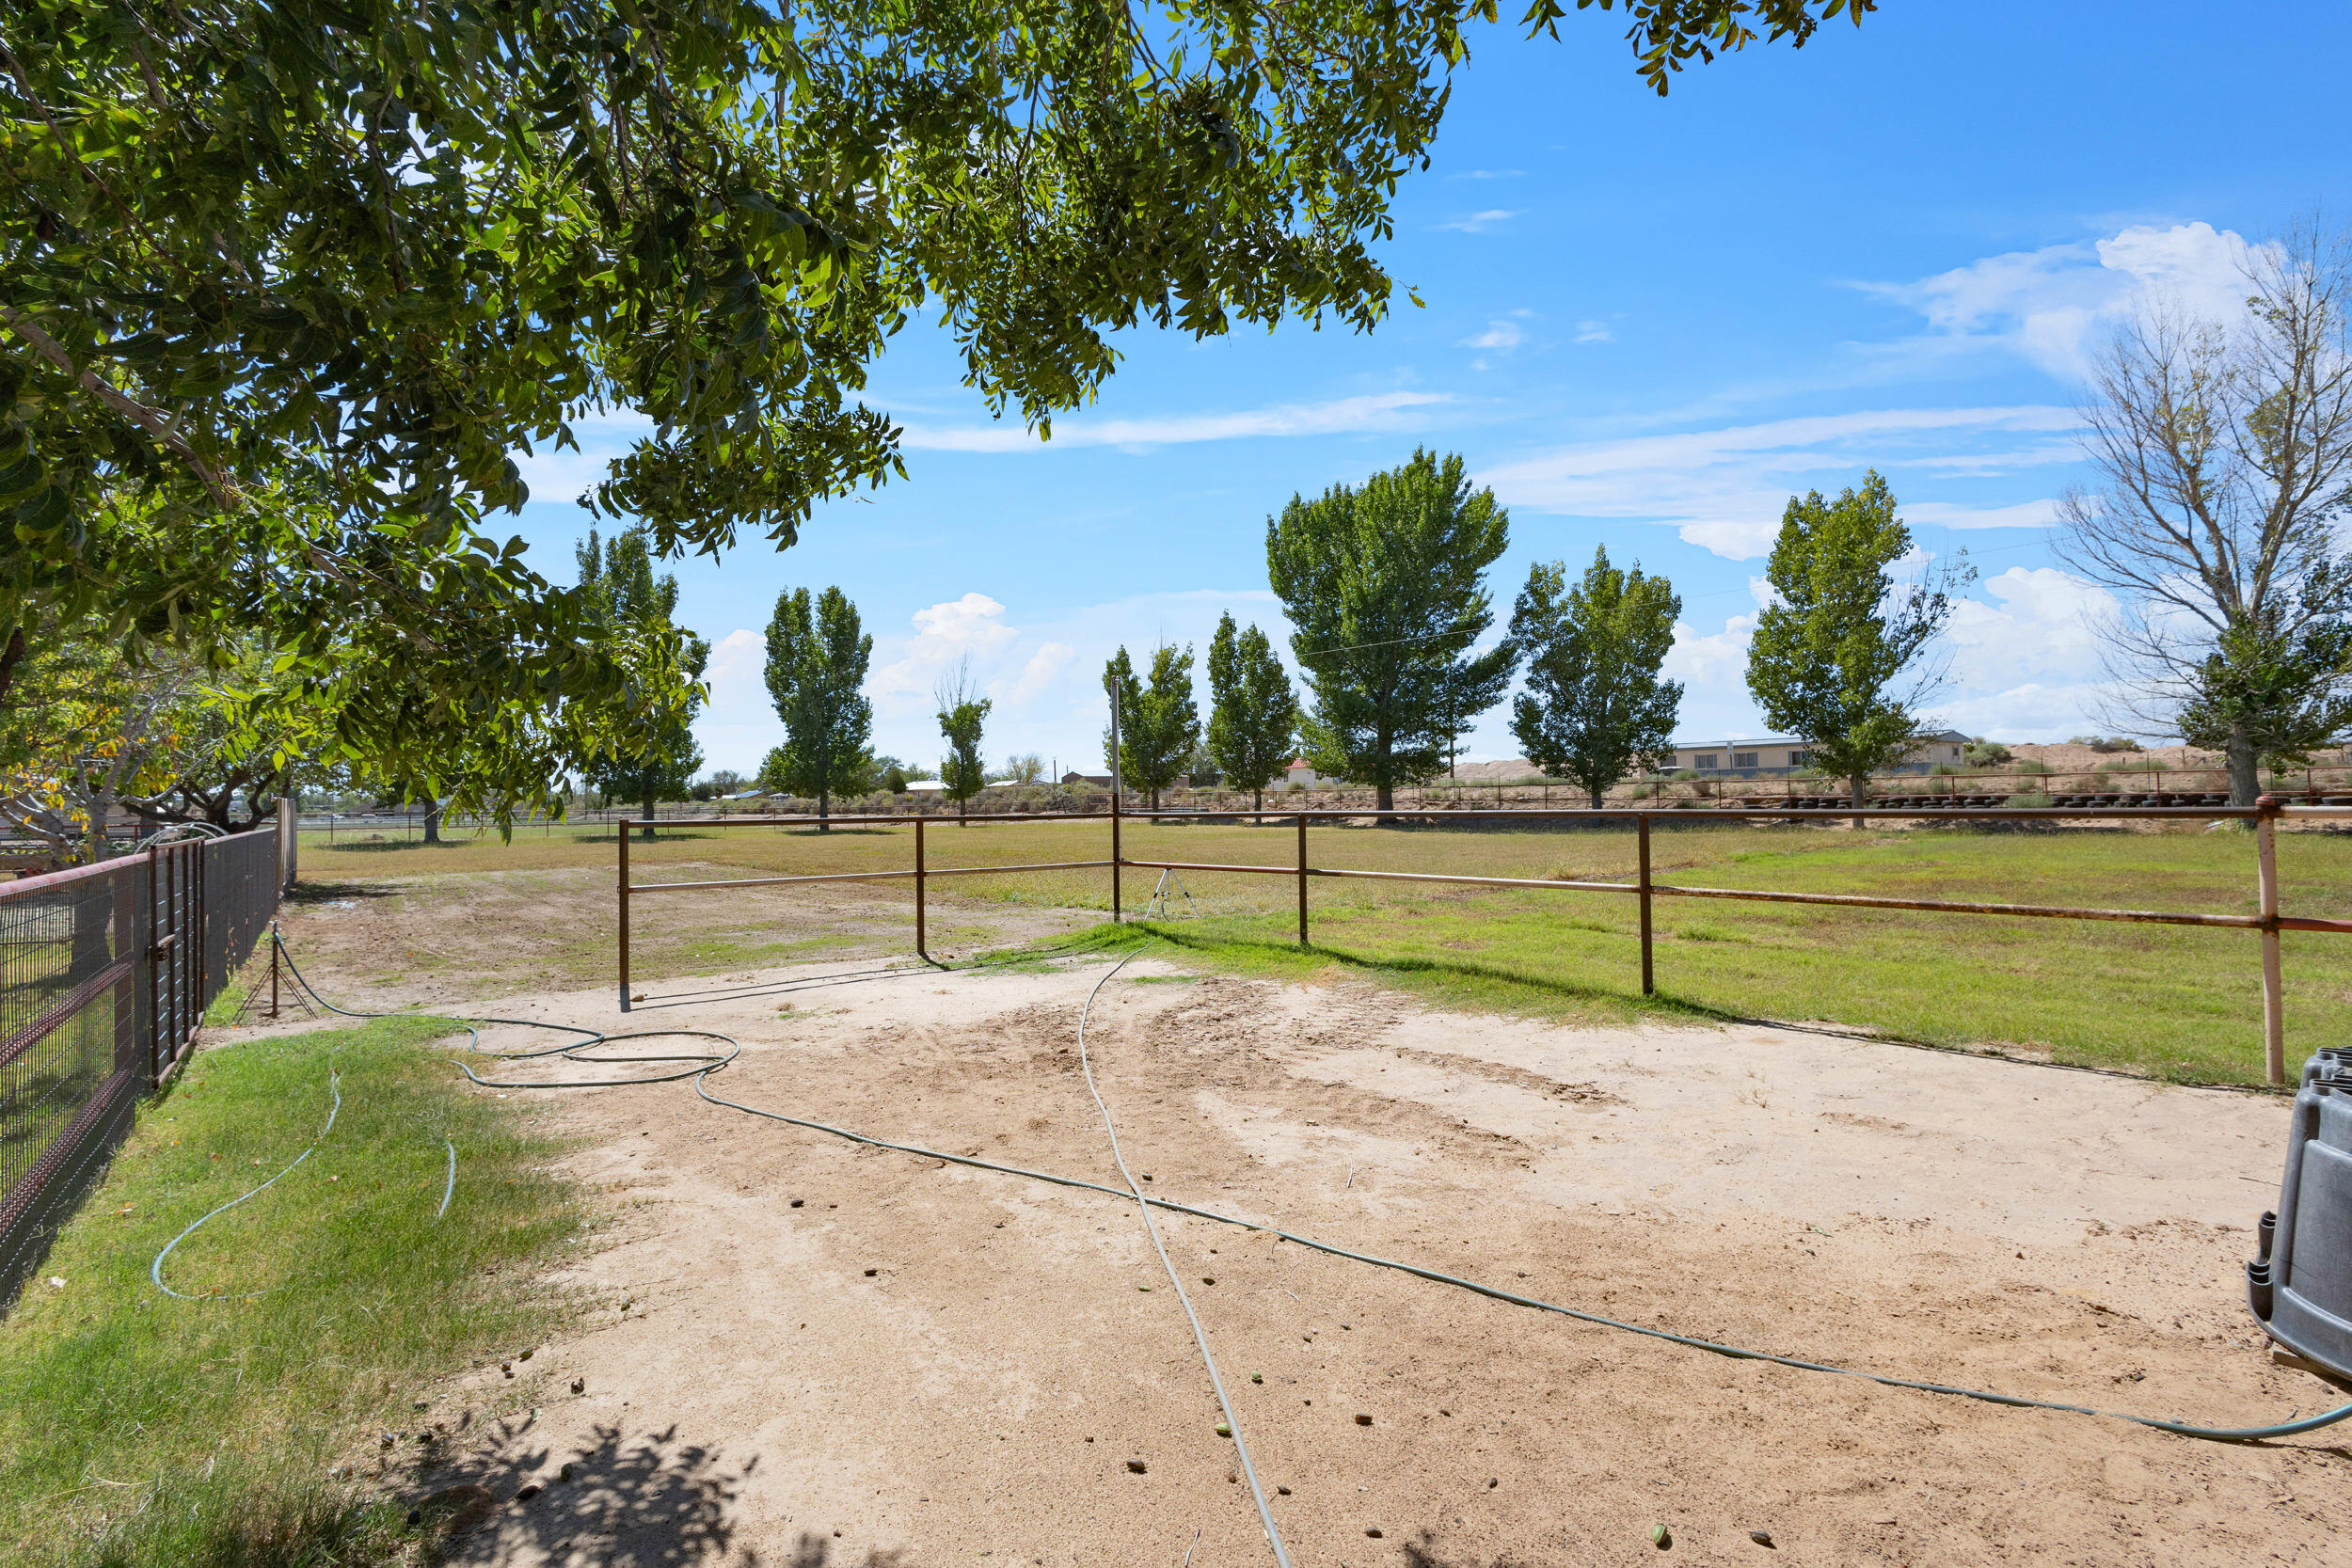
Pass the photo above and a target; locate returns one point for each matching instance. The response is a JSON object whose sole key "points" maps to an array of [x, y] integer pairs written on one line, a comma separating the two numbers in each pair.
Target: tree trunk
{"points": [[1597, 797], [433, 822], [824, 809], [649, 804], [1259, 795], [1386, 796], [1861, 784], [2244, 769]]}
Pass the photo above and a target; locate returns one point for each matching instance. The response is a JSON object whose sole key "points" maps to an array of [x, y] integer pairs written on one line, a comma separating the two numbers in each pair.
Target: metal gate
{"points": [[105, 972]]}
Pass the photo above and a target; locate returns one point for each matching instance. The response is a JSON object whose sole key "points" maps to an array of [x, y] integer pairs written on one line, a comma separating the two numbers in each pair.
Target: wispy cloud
{"points": [[1478, 223], [1488, 174], [2050, 306], [1499, 335], [1725, 489], [1594, 332], [1377, 412]]}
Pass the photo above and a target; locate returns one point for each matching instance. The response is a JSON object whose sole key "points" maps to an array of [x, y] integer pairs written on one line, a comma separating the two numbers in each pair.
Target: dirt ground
{"points": [[809, 1352]]}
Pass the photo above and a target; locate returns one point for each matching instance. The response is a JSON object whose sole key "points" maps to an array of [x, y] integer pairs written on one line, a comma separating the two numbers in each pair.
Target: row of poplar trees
{"points": [[1384, 584]]}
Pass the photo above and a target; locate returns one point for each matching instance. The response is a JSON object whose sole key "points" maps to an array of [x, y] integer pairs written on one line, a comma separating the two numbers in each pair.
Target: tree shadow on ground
{"points": [[314, 892], [1424, 1554], [650, 1502]]}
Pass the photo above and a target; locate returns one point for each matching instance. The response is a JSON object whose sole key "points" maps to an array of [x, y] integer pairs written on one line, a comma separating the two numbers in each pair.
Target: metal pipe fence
{"points": [[2265, 816], [105, 972]]}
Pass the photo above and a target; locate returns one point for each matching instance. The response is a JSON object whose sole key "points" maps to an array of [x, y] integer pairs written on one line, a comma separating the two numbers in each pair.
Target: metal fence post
{"points": [[2274, 1001], [622, 894], [920, 944], [1115, 786], [1641, 824], [1302, 878]]}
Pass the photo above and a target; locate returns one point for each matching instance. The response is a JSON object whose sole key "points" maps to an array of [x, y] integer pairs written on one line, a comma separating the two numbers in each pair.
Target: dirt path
{"points": [[837, 1356]]}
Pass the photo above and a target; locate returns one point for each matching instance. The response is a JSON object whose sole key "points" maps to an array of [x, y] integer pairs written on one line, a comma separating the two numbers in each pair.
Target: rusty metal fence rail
{"points": [[2265, 816], [104, 974]]}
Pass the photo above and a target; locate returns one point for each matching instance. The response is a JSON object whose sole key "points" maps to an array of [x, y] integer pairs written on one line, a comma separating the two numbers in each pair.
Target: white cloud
{"points": [[1375, 412], [1725, 489], [1502, 334], [738, 725], [1478, 223], [1488, 174], [563, 475], [1037, 676], [972, 626], [2041, 514], [2050, 306], [1594, 332]]}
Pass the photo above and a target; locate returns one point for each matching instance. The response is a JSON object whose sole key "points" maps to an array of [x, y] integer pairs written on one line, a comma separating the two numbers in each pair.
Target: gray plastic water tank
{"points": [[2300, 1282]]}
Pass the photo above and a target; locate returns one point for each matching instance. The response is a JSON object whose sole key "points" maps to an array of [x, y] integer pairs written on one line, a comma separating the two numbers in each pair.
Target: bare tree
{"points": [[2224, 456]]}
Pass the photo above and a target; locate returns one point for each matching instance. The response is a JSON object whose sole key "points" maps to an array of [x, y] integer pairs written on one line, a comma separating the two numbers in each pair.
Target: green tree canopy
{"points": [[287, 286], [1159, 724], [1594, 704], [816, 659], [1835, 659], [1385, 585], [963, 717], [650, 759], [1253, 715]]}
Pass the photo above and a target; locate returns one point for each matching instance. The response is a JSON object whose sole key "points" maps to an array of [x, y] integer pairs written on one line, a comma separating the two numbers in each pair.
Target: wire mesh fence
{"points": [[104, 974]]}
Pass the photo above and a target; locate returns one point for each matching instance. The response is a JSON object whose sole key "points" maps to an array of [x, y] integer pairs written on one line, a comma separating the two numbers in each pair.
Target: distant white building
{"points": [[1778, 755], [1301, 774]]}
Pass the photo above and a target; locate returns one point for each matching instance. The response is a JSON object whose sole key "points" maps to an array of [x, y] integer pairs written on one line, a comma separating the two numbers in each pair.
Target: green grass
{"points": [[2175, 1002], [138, 1429]]}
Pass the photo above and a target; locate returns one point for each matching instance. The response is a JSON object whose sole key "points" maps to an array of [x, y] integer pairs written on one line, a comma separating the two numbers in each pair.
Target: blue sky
{"points": [[1648, 323]]}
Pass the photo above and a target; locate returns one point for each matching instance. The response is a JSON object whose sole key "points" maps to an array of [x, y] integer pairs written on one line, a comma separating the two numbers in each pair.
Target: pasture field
{"points": [[2179, 1002]]}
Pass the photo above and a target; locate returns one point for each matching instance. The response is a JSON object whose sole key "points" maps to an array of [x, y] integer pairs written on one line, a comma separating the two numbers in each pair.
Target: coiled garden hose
{"points": [[1437, 1277]]}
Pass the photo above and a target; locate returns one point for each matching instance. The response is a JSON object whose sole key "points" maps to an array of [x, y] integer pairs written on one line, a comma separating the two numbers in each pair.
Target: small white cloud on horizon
{"points": [[1373, 413], [1499, 335], [1478, 223], [1488, 174], [1594, 332]]}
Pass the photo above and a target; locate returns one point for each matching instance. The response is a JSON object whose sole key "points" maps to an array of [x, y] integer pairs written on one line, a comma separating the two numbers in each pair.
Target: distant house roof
{"points": [[1075, 777], [745, 795], [927, 787]]}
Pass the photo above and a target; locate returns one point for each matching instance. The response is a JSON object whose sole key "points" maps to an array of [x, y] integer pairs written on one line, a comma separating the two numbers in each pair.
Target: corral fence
{"points": [[105, 972], [2265, 816]]}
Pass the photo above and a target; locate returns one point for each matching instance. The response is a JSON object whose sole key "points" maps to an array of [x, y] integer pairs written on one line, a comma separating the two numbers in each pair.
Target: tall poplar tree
{"points": [[1836, 658], [1386, 586], [1594, 704], [650, 760], [816, 659], [1159, 722], [1253, 717]]}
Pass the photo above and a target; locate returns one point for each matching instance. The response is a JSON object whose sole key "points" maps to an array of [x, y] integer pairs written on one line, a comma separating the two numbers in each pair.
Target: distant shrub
{"points": [[2028, 801], [1982, 752], [895, 779], [2106, 742], [2033, 765]]}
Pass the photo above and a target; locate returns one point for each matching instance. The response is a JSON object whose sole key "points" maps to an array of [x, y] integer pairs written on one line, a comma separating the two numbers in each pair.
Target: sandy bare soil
{"points": [[838, 1355]]}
